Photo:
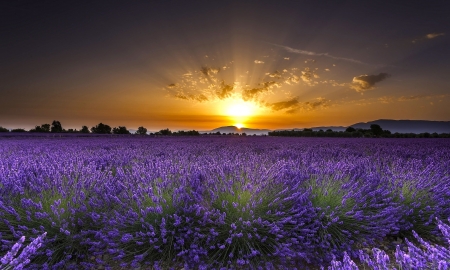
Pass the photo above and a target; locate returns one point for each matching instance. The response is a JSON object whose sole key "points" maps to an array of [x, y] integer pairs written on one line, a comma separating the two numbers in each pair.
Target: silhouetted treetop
{"points": [[84, 129], [56, 126], [101, 129], [141, 131], [120, 130]]}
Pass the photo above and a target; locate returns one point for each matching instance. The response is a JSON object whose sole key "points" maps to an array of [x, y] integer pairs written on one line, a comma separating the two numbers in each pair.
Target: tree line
{"points": [[101, 128], [375, 131]]}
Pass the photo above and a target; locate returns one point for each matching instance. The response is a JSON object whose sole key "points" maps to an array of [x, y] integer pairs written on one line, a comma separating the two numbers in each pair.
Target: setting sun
{"points": [[240, 109]]}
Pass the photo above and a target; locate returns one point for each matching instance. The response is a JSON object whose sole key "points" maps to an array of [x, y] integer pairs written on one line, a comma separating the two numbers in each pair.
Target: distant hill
{"points": [[400, 126], [408, 126], [233, 129]]}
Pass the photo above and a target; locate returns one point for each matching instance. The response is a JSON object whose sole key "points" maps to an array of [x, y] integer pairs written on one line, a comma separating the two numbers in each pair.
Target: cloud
{"points": [[428, 36], [294, 79], [286, 58], [298, 51], [386, 99], [434, 35], [207, 84], [293, 104], [413, 97], [199, 98], [392, 99], [259, 62], [318, 103], [252, 93], [225, 91], [207, 71], [275, 74], [367, 82], [282, 105], [308, 75]]}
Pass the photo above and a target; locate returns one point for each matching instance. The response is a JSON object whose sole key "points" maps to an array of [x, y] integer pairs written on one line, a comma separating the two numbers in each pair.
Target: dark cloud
{"points": [[367, 82]]}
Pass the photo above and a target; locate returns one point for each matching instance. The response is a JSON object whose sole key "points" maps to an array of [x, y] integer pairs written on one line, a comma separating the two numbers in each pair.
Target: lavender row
{"points": [[217, 202]]}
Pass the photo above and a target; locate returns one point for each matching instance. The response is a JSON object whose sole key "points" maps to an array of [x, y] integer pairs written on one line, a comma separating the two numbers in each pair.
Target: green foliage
{"points": [[418, 210], [2, 129], [334, 207]]}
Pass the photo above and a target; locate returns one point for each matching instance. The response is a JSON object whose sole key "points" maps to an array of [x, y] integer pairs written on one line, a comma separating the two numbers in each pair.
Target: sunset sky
{"points": [[205, 64]]}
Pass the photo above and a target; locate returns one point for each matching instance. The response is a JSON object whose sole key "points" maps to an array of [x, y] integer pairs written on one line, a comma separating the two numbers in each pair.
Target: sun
{"points": [[239, 109], [238, 112]]}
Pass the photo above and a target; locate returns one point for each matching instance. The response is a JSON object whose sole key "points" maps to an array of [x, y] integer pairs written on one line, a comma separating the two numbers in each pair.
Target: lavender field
{"points": [[224, 203]]}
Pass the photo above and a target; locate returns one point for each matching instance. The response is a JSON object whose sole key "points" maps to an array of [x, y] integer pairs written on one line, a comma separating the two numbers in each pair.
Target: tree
{"points": [[84, 129], [141, 131], [350, 129], [376, 129], [2, 129], [101, 129], [165, 132], [41, 128], [120, 130], [56, 126], [45, 127]]}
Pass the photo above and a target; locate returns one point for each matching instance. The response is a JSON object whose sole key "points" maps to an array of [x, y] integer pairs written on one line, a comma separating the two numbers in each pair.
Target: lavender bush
{"points": [[245, 202], [9, 262], [427, 256]]}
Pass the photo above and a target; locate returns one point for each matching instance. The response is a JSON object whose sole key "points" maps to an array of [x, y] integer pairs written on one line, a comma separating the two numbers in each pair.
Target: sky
{"points": [[200, 65]]}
